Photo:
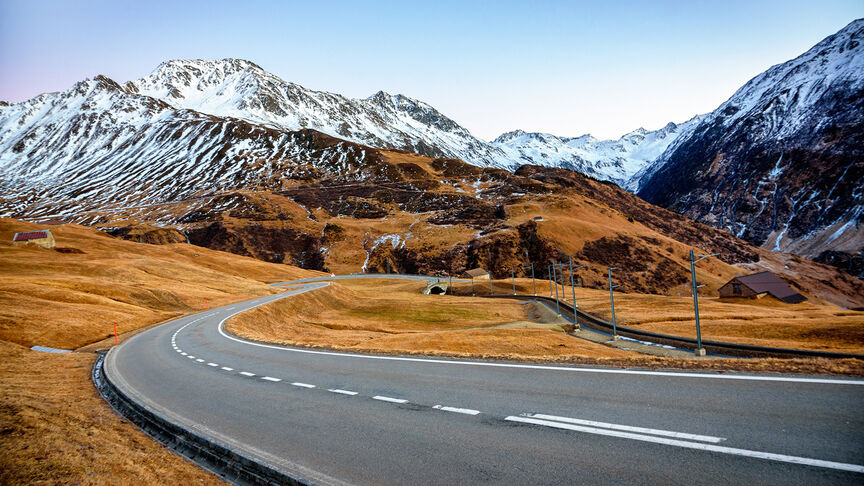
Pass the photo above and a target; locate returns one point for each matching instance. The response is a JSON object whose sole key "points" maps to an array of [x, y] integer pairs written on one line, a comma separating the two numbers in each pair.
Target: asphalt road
{"points": [[341, 418]]}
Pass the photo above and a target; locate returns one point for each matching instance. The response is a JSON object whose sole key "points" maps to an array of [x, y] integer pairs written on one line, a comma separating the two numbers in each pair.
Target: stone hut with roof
{"points": [[42, 238], [759, 285]]}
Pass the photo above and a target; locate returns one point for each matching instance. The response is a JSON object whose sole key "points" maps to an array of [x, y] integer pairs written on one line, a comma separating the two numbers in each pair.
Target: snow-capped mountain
{"points": [[99, 146], [781, 162], [614, 160], [241, 89]]}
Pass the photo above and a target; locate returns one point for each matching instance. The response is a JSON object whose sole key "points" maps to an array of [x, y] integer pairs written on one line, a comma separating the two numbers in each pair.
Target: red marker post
{"points": [[116, 341]]}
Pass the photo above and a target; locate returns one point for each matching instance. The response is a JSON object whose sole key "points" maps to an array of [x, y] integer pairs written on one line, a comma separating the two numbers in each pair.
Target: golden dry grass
{"points": [[391, 316], [761, 322], [56, 429], [68, 300]]}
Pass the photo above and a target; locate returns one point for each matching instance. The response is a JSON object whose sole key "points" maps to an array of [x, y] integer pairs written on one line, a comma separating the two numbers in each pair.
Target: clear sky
{"points": [[568, 68]]}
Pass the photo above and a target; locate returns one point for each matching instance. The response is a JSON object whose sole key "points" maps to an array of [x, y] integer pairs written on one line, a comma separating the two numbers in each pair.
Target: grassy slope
{"points": [[54, 426], [392, 317], [763, 322], [68, 300]]}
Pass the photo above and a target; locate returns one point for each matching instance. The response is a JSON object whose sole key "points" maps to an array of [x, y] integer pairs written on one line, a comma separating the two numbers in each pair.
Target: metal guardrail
{"points": [[715, 347]]}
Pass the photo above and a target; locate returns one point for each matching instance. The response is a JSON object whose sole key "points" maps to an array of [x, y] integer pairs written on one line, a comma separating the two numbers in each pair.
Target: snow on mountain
{"points": [[99, 146], [780, 163], [241, 89], [614, 160]]}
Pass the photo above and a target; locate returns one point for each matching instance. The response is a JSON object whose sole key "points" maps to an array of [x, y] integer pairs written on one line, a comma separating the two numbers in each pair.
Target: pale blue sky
{"points": [[567, 68]]}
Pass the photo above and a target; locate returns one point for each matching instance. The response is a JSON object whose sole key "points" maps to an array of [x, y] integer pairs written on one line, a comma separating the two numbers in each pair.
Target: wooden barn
{"points": [[43, 238], [477, 274], [759, 285]]}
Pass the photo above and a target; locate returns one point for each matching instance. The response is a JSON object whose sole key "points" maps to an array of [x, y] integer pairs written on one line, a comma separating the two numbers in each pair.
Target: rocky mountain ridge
{"points": [[780, 163]]}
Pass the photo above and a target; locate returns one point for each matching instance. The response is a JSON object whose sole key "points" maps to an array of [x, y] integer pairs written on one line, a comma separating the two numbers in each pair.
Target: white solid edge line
{"points": [[246, 373], [342, 392], [527, 366], [466, 411], [227, 368], [270, 378], [694, 445], [556, 368], [628, 428], [389, 399], [303, 385]]}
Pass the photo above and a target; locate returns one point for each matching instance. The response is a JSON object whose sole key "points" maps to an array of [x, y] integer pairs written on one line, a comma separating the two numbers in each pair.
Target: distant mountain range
{"points": [[778, 164]]}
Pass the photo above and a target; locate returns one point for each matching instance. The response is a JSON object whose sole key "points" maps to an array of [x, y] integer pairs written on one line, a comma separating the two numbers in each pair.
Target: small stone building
{"points": [[477, 274], [759, 285], [42, 238]]}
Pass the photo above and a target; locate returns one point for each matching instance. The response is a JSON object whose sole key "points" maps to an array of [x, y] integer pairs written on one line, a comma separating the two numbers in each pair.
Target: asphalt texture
{"points": [[342, 418]]}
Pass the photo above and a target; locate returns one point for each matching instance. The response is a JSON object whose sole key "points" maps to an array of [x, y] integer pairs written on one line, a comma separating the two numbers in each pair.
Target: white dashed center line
{"points": [[270, 378], [389, 399], [227, 368], [342, 392], [199, 360], [466, 411], [303, 385], [212, 364], [246, 373]]}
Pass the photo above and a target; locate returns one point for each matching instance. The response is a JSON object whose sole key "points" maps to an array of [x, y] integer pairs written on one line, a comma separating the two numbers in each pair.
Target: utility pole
{"points": [[573, 292], [549, 273], [612, 301], [513, 279], [533, 282], [573, 289], [555, 278], [700, 351]]}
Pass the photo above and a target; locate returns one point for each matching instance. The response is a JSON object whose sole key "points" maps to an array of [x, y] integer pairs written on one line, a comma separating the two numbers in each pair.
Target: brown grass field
{"points": [[54, 427], [360, 316], [761, 322]]}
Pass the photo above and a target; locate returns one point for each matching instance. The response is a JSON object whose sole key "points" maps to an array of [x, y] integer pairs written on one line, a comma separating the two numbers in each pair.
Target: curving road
{"points": [[341, 418]]}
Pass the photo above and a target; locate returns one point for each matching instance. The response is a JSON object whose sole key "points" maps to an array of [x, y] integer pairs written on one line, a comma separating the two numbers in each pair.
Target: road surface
{"points": [[341, 418]]}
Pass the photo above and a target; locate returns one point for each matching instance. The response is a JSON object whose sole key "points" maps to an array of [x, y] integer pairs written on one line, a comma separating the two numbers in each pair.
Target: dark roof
{"points": [[768, 282], [30, 235], [476, 272]]}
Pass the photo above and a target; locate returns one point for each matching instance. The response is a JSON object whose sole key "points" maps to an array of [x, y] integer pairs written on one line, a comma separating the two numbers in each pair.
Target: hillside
{"points": [[73, 295]]}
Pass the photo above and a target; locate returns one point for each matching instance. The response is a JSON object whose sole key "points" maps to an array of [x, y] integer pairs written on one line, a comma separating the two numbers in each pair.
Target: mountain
{"points": [[613, 160], [98, 145], [780, 163], [109, 156], [241, 89]]}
